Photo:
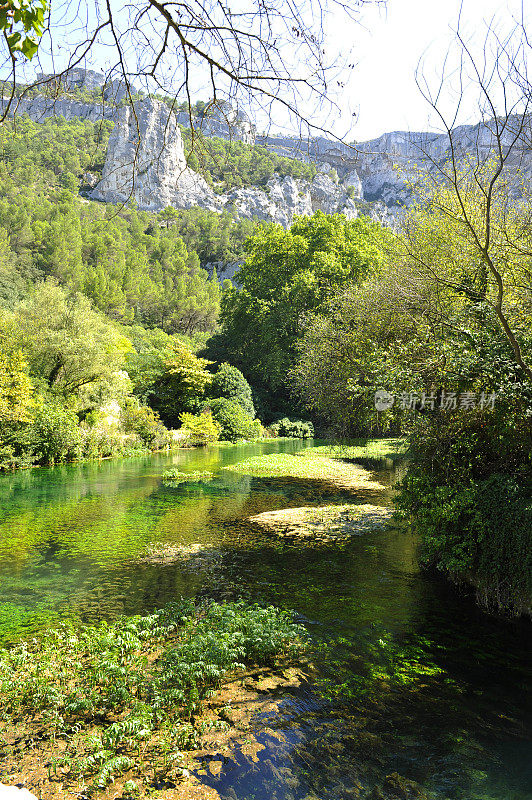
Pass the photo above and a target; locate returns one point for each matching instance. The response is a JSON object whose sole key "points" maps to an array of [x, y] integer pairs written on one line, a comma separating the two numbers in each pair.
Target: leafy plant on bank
{"points": [[121, 694], [294, 429], [200, 429], [235, 423], [468, 492]]}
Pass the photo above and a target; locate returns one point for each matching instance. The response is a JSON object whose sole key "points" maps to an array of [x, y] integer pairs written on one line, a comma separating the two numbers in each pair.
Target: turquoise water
{"points": [[412, 678]]}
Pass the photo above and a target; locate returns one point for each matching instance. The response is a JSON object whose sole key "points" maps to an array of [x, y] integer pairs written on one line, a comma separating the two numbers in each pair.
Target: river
{"points": [[411, 676]]}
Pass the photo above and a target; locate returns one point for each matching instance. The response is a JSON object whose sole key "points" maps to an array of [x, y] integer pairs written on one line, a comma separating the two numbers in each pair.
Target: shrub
{"points": [[295, 429], [144, 423], [229, 382], [55, 433], [200, 428], [235, 423]]}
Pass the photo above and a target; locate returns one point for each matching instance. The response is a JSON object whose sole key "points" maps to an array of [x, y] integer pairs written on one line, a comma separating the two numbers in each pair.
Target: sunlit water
{"points": [[412, 678]]}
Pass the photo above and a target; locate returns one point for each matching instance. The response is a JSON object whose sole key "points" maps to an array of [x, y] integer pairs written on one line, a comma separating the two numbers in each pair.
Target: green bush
{"points": [[235, 423], [200, 428], [229, 382], [468, 493], [295, 429], [142, 421], [55, 434]]}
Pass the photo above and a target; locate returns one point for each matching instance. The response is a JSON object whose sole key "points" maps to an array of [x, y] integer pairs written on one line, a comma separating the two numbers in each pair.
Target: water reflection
{"points": [[412, 678]]}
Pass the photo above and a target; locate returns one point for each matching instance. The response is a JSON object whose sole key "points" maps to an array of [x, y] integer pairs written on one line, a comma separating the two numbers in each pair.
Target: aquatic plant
{"points": [[173, 476], [311, 467], [125, 695]]}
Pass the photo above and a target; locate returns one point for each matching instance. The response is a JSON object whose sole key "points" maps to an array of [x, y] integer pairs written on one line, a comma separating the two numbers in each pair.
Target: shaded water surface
{"points": [[411, 677]]}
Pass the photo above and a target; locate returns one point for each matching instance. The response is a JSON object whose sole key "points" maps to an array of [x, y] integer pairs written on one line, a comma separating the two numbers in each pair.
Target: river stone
{"points": [[15, 793]]}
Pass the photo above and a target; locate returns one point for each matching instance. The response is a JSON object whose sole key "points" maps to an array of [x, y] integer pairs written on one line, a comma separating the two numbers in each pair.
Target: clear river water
{"points": [[411, 676]]}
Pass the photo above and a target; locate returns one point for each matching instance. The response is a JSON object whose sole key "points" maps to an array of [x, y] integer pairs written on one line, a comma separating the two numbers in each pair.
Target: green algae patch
{"points": [[325, 523], [309, 467]]}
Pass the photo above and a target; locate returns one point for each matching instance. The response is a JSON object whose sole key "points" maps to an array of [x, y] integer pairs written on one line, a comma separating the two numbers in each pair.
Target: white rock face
{"points": [[40, 108], [286, 198], [352, 179], [14, 793], [145, 162]]}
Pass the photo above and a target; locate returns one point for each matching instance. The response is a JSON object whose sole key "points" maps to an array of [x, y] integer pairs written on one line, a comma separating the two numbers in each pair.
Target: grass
{"points": [[362, 450], [306, 465], [121, 702]]}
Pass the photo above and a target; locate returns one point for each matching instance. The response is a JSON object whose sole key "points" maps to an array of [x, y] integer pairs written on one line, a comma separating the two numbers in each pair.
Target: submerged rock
{"points": [[325, 523]]}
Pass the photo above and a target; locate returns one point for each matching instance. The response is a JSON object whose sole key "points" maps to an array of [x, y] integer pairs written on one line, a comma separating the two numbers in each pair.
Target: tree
{"points": [[364, 341], [16, 391], [229, 382], [286, 275], [67, 343], [471, 188], [167, 374]]}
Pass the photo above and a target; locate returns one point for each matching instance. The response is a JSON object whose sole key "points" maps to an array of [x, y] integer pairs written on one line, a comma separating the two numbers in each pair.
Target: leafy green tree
{"points": [[200, 428], [167, 374], [229, 382], [54, 433], [16, 391], [286, 275], [235, 423], [67, 343]]}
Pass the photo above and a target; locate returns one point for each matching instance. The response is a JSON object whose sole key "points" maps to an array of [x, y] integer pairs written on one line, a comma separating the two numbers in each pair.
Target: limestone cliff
{"points": [[145, 160], [146, 163]]}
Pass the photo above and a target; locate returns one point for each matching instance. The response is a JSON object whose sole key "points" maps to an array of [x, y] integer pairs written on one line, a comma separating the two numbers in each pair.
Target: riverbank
{"points": [[133, 705]]}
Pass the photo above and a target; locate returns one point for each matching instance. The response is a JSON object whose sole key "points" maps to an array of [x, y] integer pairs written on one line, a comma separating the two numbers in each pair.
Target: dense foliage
{"points": [[234, 422], [469, 489], [286, 275], [229, 382], [445, 330], [293, 429], [131, 265], [228, 164]]}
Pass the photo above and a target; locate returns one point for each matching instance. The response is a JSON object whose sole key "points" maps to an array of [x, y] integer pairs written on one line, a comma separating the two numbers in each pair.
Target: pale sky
{"points": [[386, 47], [382, 88]]}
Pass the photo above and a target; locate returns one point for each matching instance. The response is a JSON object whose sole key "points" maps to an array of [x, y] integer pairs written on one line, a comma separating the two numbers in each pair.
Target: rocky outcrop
{"points": [[146, 163], [224, 120], [145, 160], [285, 198], [40, 108]]}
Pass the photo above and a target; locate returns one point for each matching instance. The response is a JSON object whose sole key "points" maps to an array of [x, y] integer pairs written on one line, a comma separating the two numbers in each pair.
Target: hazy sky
{"points": [[388, 48]]}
